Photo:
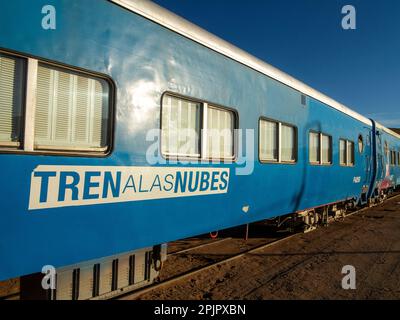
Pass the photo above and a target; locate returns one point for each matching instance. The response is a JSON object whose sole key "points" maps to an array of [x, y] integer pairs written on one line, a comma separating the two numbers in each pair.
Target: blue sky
{"points": [[359, 68]]}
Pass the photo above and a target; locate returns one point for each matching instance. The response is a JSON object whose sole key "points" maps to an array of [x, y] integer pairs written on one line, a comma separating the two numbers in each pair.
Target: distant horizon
{"points": [[305, 39]]}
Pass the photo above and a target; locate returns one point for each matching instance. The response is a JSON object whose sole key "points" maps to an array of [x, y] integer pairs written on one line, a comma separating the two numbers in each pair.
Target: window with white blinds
{"points": [[350, 153], [195, 129], [220, 133], [288, 143], [346, 152], [72, 110], [277, 142], [326, 149], [268, 140], [12, 82], [342, 152], [180, 132], [320, 148], [314, 147]]}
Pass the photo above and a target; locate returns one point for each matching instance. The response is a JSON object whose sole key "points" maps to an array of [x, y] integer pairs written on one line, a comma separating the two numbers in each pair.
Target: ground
{"points": [[309, 266]]}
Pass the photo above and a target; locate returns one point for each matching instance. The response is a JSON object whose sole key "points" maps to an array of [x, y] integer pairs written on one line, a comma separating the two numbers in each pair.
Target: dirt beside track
{"points": [[309, 266]]}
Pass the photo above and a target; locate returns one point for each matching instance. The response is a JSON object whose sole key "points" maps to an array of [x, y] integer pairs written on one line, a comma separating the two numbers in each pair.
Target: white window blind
{"points": [[72, 110], [346, 152], [268, 140], [342, 152], [326, 149], [220, 133], [180, 127], [288, 143], [12, 70], [314, 147], [350, 153]]}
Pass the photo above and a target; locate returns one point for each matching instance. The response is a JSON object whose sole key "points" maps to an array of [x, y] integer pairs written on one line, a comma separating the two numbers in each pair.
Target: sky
{"points": [[304, 38]]}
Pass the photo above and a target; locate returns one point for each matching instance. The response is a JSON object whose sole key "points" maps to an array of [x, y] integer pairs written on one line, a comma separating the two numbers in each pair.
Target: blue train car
{"points": [[123, 126], [388, 161]]}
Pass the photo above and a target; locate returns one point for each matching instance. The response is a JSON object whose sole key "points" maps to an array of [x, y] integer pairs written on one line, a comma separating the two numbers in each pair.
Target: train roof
{"points": [[162, 16]]}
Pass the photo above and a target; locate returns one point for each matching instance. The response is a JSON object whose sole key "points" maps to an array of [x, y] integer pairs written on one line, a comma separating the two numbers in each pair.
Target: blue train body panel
{"points": [[388, 169], [144, 60]]}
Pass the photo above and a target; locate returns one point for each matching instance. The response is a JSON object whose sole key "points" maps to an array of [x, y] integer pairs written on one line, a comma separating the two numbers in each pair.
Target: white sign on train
{"points": [[63, 186]]}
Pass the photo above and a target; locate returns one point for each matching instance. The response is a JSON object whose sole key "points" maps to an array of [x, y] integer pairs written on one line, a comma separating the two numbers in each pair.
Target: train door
{"points": [[367, 153], [377, 162], [380, 157]]}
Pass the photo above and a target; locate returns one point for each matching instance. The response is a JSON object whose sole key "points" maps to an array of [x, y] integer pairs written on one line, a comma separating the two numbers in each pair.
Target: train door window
{"points": [[360, 144], [326, 149], [72, 110], [288, 143], [12, 92], [314, 148], [342, 152], [180, 127], [220, 133], [268, 140]]}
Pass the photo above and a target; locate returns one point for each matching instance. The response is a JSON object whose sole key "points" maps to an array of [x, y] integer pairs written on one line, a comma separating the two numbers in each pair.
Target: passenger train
{"points": [[124, 127]]}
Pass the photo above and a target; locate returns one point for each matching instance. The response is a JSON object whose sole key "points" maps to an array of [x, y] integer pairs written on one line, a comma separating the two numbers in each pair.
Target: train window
{"points": [[346, 152], [360, 144], [180, 127], [398, 158], [320, 148], [220, 133], [315, 153], [288, 143], [342, 152], [12, 74], [350, 153], [277, 142], [268, 140], [326, 149], [72, 110], [392, 158]]}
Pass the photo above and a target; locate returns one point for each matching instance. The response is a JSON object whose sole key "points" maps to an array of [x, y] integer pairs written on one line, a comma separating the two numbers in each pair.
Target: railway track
{"points": [[198, 246], [200, 259], [170, 280]]}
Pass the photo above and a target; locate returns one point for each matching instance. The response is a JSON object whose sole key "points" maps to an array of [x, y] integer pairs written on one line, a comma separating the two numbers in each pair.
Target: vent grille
{"points": [[303, 100]]}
